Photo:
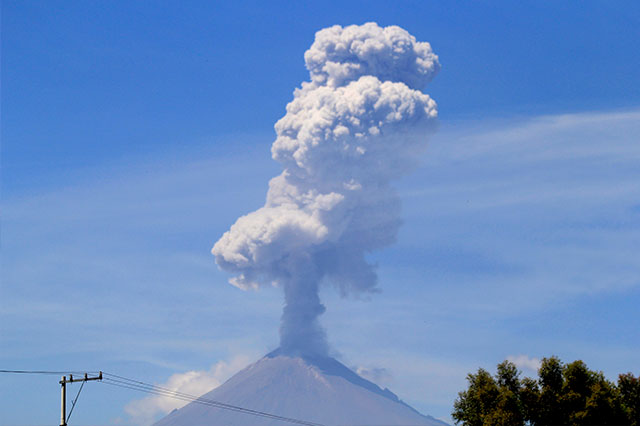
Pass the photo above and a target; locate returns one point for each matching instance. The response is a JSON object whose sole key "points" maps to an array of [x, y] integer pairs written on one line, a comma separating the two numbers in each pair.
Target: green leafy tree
{"points": [[551, 381], [568, 394], [576, 389], [530, 399], [603, 406], [491, 401], [474, 405], [629, 388], [508, 410]]}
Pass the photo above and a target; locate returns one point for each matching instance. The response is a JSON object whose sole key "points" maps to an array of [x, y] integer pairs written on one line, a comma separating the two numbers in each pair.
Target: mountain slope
{"points": [[315, 389]]}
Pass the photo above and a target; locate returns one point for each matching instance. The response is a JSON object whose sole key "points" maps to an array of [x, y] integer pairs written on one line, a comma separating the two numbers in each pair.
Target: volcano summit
{"points": [[315, 389]]}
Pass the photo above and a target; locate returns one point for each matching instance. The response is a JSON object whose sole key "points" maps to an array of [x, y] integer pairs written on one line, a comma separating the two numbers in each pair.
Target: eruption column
{"points": [[300, 330], [360, 123]]}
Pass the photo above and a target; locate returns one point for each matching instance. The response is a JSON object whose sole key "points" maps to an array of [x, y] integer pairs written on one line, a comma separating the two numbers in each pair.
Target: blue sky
{"points": [[135, 133]]}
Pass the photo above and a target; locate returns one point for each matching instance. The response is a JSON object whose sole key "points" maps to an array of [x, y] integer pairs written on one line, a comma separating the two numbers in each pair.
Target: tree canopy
{"points": [[563, 394]]}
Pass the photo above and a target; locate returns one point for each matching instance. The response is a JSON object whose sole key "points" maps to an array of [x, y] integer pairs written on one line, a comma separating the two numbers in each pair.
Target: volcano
{"points": [[316, 389]]}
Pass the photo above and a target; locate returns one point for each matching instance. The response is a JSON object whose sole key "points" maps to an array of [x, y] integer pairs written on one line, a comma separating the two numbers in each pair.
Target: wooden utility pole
{"points": [[63, 403], [63, 389]]}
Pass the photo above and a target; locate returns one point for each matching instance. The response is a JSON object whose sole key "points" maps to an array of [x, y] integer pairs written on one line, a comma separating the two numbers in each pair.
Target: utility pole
{"points": [[63, 389]]}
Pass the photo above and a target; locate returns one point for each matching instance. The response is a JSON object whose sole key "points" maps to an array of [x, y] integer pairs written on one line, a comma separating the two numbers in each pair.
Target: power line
{"points": [[46, 372], [215, 404], [125, 382]]}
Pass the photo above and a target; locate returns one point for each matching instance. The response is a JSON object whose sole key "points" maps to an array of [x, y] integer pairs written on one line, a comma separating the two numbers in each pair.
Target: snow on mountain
{"points": [[314, 389]]}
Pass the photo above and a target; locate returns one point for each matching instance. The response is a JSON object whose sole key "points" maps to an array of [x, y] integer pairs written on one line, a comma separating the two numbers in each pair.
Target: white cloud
{"points": [[146, 410], [378, 375], [525, 362]]}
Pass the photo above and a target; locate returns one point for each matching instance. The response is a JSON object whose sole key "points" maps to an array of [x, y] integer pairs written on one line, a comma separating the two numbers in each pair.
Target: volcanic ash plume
{"points": [[360, 122]]}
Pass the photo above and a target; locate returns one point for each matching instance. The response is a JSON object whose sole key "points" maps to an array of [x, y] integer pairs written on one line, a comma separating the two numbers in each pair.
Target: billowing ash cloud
{"points": [[361, 122]]}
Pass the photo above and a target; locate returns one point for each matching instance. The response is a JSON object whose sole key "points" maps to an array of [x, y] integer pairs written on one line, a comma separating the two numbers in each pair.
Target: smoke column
{"points": [[361, 122]]}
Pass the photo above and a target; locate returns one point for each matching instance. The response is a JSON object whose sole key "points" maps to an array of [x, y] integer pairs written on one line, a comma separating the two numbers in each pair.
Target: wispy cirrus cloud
{"points": [[549, 201]]}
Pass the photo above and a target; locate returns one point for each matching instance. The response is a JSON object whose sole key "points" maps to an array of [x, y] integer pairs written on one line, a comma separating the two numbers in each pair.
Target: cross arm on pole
{"points": [[63, 384], [84, 378]]}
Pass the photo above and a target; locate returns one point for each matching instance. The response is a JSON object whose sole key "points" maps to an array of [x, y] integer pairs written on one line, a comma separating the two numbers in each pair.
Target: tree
{"points": [[508, 410], [474, 405], [629, 388], [577, 386], [491, 401], [530, 399], [568, 394], [603, 406], [551, 381]]}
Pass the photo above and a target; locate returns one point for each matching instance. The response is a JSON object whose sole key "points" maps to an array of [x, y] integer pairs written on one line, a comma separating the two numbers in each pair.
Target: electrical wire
{"points": [[124, 382], [127, 383], [212, 403], [47, 372]]}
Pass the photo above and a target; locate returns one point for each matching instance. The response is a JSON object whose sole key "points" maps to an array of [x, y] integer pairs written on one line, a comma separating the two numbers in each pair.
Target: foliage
{"points": [[563, 394], [629, 388]]}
